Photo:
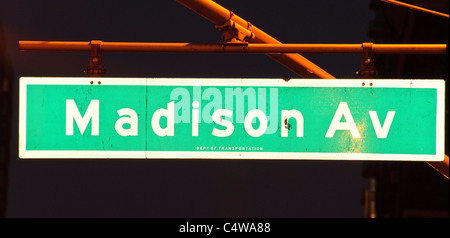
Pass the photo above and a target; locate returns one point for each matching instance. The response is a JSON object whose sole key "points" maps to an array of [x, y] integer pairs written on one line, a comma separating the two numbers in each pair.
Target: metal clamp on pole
{"points": [[233, 33], [95, 61], [367, 64]]}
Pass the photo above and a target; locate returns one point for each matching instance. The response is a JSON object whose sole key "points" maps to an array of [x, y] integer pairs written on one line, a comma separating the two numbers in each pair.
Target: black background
{"points": [[180, 188]]}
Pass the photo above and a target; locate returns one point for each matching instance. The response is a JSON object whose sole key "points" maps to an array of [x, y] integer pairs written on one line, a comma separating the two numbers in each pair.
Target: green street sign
{"points": [[398, 120]]}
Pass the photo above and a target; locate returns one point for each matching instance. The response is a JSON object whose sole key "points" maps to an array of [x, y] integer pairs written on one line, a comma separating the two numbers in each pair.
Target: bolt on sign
{"points": [[399, 120]]}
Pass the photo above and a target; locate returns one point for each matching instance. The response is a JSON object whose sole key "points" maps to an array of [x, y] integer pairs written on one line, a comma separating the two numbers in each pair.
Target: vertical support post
{"points": [[367, 71], [95, 61]]}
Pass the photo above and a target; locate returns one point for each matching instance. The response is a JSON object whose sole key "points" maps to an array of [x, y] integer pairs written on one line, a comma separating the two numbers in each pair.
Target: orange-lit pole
{"points": [[441, 167], [220, 15], [410, 6], [233, 48]]}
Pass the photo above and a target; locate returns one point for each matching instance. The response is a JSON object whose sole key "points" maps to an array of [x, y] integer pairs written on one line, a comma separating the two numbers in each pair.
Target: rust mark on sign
{"points": [[286, 124]]}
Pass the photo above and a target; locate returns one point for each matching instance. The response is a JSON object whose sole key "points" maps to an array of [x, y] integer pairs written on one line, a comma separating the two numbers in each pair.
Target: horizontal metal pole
{"points": [[255, 48]]}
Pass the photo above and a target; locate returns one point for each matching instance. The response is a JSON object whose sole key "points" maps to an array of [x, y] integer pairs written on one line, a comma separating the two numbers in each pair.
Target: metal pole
{"points": [[410, 6], [220, 15], [233, 48], [441, 167]]}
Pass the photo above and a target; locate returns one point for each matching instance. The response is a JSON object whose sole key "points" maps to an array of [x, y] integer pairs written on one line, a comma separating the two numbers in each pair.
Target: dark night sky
{"points": [[180, 188]]}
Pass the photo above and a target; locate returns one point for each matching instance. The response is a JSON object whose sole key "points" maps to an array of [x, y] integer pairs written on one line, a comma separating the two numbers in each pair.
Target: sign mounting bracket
{"points": [[95, 61], [233, 33], [367, 64]]}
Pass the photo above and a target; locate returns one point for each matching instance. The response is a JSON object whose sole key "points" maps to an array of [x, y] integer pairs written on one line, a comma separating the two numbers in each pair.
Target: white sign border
{"points": [[439, 84]]}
